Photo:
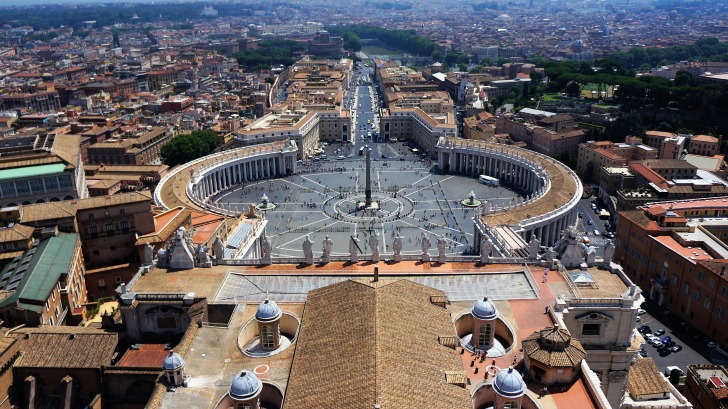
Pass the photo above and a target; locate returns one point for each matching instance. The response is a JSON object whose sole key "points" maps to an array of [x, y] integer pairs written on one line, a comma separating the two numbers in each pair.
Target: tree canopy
{"points": [[184, 148], [405, 40], [268, 53]]}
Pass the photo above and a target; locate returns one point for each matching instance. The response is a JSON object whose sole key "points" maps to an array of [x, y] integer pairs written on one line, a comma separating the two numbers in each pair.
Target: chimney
{"points": [[376, 273], [122, 288]]}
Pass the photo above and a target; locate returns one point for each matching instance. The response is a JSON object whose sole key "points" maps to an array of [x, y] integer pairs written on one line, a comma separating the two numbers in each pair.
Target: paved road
{"points": [[586, 229], [688, 356]]}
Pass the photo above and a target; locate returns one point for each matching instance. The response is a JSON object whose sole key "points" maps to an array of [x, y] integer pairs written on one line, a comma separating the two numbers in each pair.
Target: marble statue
{"points": [[441, 246], [308, 250], [374, 246], [181, 253], [608, 252], [534, 246], [326, 249], [354, 249], [551, 254], [425, 244], [218, 249], [202, 257], [163, 256], [486, 208], [397, 247], [486, 246], [265, 249], [148, 254]]}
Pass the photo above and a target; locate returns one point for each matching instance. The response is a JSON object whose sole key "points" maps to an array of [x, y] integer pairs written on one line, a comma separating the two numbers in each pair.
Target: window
{"points": [[102, 282], [711, 283], [700, 276], [47, 305], [484, 335], [93, 229], [51, 183], [243, 406], [124, 224], [675, 279], [266, 337], [696, 295], [109, 227], [706, 303], [719, 311], [122, 212], [591, 329], [652, 265], [53, 294], [37, 185], [724, 291], [58, 311], [686, 288], [510, 405], [90, 216], [118, 279]]}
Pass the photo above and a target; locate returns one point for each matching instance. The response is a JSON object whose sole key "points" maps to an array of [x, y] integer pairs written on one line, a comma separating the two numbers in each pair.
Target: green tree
{"points": [[184, 148], [573, 89], [463, 67], [684, 79]]}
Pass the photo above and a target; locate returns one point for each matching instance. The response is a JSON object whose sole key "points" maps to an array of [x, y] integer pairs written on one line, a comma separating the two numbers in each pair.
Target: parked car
{"points": [[676, 348], [665, 352], [589, 222], [644, 329], [666, 339], [643, 353], [671, 368], [659, 332], [580, 214], [596, 232], [711, 345], [641, 311], [657, 344]]}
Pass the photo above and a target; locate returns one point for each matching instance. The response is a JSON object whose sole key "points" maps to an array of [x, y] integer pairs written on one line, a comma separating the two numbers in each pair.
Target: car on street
{"points": [[676, 348], [664, 351], [659, 332], [580, 215], [643, 353], [657, 343], [596, 232], [640, 311], [589, 222], [644, 329], [711, 345]]}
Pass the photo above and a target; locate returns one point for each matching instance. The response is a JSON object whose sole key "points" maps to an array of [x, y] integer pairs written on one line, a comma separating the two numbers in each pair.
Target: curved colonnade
{"points": [[553, 190], [195, 183]]}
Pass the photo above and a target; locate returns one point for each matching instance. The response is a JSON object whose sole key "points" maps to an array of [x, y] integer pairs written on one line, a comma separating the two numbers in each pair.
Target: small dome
{"points": [[173, 361], [268, 311], [245, 386], [484, 309], [509, 384]]}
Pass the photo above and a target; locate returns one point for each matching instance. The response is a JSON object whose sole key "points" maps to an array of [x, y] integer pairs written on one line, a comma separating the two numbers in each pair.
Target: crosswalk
{"points": [[599, 241]]}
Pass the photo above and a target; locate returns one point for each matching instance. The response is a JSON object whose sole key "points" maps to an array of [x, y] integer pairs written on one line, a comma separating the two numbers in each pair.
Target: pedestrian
{"points": [[545, 390], [540, 393], [515, 359]]}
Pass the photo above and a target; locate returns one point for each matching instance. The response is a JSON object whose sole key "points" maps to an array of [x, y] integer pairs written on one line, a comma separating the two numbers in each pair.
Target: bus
{"points": [[604, 214], [487, 180], [361, 151]]}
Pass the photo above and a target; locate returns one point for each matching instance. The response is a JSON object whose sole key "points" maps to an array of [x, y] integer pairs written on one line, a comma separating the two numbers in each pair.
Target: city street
{"points": [[688, 356]]}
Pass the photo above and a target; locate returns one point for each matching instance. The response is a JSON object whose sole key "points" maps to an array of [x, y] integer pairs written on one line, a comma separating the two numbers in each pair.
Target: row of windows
{"points": [[35, 186]]}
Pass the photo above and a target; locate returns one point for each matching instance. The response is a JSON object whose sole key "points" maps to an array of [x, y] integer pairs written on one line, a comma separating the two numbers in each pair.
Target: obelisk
{"points": [[368, 188]]}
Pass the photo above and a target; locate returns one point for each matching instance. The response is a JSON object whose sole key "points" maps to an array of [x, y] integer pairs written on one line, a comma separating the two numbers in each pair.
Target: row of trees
{"points": [[704, 49], [184, 148], [404, 40], [269, 53]]}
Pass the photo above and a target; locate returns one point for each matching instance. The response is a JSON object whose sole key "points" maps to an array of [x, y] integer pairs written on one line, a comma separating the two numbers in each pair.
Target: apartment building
{"points": [[704, 145], [108, 225], [413, 124], [142, 149], [44, 101], [676, 252], [45, 285], [609, 154], [39, 167], [291, 121], [543, 132]]}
